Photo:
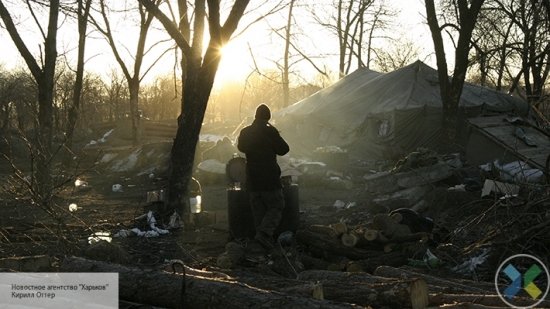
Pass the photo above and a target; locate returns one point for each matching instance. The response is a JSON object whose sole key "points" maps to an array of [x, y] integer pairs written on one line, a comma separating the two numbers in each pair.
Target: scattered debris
{"points": [[102, 140], [497, 187], [469, 266], [73, 207], [338, 204], [99, 236], [155, 196], [175, 221], [80, 183], [117, 188], [514, 172], [151, 224]]}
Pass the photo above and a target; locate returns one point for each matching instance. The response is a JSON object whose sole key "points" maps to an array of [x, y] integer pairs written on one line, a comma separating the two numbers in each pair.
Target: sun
{"points": [[236, 63]]}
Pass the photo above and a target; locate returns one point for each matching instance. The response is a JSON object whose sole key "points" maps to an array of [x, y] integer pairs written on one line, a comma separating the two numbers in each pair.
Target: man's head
{"points": [[263, 112]]}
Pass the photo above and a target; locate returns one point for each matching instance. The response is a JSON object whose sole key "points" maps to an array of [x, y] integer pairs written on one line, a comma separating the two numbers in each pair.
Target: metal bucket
{"points": [[291, 213], [239, 214]]}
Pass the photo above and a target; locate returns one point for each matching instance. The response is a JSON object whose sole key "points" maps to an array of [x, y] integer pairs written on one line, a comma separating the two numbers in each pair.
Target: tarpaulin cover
{"points": [[377, 115]]}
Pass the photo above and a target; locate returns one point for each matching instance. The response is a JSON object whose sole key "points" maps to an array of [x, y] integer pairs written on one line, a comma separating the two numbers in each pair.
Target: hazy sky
{"points": [[236, 63]]}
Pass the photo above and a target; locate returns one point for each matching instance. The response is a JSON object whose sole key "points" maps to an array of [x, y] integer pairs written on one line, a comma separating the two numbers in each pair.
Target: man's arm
{"points": [[243, 142], [279, 144]]}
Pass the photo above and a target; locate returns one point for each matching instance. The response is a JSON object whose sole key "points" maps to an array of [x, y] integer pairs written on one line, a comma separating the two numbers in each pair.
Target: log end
{"points": [[370, 234], [349, 240], [419, 294]]}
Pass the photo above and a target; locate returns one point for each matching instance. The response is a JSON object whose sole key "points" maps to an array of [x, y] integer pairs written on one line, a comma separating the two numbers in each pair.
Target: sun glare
{"points": [[235, 63]]}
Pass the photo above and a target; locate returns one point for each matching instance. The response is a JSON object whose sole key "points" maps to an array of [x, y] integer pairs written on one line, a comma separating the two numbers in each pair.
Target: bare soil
{"points": [[26, 230]]}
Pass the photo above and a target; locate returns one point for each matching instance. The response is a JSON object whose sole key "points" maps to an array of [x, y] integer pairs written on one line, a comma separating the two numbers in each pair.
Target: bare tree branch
{"points": [[35, 69], [31, 10], [169, 26]]}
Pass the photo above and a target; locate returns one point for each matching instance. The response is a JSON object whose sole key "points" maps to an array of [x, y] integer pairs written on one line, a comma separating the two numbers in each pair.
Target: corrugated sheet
{"points": [[501, 131]]}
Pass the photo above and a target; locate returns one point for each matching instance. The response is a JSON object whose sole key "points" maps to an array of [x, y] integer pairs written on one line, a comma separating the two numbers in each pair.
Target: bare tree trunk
{"points": [[133, 87], [503, 57], [83, 12], [286, 90], [451, 91], [44, 78], [185, 143], [197, 85], [341, 41], [360, 63], [133, 79]]}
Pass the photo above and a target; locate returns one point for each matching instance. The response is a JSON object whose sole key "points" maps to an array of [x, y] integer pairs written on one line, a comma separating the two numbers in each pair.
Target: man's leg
{"points": [[275, 203], [258, 208]]}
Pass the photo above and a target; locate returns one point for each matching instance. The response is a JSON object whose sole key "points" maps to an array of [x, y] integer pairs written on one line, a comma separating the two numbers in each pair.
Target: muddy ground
{"points": [[25, 229], [467, 224]]}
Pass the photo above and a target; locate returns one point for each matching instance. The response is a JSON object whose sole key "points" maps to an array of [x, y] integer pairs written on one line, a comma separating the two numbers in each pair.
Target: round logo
{"points": [[522, 281]]}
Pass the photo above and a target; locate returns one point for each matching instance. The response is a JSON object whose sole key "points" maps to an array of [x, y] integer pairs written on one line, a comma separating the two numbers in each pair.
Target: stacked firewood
{"points": [[383, 241]]}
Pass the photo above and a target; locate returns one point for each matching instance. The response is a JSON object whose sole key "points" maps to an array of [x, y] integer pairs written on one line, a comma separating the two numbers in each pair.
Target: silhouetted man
{"points": [[261, 143]]}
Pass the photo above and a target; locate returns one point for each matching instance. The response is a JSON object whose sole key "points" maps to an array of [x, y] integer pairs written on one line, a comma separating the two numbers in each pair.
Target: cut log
{"points": [[349, 240], [224, 261], [397, 217], [124, 304], [390, 247], [371, 234], [400, 234], [369, 265], [469, 306], [163, 289], [234, 253], [268, 281], [482, 299], [382, 222], [324, 230], [323, 244], [408, 237], [456, 286], [326, 275], [370, 290], [313, 290], [35, 263], [310, 262], [336, 267], [339, 228], [175, 266], [400, 231], [388, 226], [353, 267], [419, 294]]}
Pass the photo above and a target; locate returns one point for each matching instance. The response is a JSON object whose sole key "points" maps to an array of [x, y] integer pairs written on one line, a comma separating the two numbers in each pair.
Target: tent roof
{"points": [[344, 106]]}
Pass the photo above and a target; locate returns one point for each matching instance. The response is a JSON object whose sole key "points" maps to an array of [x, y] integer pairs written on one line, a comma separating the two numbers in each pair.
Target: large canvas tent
{"points": [[381, 116]]}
